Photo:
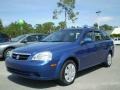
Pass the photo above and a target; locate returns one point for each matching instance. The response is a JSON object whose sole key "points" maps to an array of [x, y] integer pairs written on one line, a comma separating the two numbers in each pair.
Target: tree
{"points": [[66, 6], [103, 27], [47, 27], [106, 27], [27, 28], [115, 35], [95, 26], [1, 25], [62, 25], [14, 29], [38, 28]]}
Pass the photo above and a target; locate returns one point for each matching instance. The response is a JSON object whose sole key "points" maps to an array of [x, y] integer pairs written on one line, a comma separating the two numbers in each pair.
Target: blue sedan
{"points": [[61, 55]]}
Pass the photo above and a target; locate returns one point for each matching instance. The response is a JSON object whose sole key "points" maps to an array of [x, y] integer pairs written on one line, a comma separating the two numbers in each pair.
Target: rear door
{"points": [[101, 46]]}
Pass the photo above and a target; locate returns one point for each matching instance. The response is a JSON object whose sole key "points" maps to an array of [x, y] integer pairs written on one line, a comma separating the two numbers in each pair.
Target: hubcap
{"points": [[109, 60], [8, 53], [70, 72]]}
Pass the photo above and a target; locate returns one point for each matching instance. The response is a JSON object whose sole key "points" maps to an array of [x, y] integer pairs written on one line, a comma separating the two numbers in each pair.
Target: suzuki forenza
{"points": [[61, 55]]}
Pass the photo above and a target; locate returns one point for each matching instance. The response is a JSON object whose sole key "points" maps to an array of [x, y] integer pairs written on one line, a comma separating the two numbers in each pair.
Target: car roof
{"points": [[82, 29]]}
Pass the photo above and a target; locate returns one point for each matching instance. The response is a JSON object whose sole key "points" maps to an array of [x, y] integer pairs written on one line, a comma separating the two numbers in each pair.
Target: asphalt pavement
{"points": [[95, 78]]}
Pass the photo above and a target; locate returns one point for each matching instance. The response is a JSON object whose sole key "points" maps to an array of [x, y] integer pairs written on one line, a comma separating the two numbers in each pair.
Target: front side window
{"points": [[89, 35], [18, 38], [32, 38], [98, 36]]}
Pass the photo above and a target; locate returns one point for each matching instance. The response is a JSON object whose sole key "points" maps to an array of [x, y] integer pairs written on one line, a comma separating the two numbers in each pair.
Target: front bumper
{"points": [[31, 69]]}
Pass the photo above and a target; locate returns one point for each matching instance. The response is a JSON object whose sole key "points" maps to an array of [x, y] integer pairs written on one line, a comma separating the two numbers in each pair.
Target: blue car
{"points": [[61, 55]]}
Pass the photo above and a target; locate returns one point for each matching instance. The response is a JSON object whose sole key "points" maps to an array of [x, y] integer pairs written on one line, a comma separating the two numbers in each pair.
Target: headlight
{"points": [[43, 56]]}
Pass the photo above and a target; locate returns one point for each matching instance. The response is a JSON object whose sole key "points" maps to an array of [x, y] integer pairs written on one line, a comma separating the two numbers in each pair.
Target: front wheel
{"points": [[7, 52], [68, 73], [108, 63]]}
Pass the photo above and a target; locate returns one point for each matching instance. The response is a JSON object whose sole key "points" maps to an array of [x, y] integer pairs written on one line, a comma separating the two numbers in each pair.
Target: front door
{"points": [[88, 52]]}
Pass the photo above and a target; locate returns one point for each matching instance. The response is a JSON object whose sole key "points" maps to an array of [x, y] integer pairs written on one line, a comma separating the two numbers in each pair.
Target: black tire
{"points": [[62, 80], [6, 52], [108, 62]]}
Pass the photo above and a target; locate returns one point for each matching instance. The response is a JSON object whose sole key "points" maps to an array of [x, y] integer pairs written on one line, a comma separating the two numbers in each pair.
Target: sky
{"points": [[40, 11]]}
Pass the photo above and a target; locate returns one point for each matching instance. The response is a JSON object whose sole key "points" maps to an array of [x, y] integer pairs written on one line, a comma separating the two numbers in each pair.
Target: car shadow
{"points": [[46, 84], [32, 83]]}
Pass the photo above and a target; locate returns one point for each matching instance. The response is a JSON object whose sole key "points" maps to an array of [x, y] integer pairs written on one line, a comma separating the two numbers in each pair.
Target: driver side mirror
{"points": [[86, 40]]}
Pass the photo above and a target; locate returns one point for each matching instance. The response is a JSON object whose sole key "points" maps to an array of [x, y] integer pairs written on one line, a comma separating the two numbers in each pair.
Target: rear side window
{"points": [[106, 36]]}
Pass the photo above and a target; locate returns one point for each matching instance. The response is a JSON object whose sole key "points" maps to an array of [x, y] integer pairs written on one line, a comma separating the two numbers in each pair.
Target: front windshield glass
{"points": [[63, 36], [17, 38]]}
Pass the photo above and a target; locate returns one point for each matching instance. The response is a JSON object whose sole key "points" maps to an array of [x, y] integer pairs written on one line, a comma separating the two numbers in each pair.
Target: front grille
{"points": [[20, 56]]}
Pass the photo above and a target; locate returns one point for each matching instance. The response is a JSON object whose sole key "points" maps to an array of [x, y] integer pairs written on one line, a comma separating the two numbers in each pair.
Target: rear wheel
{"points": [[68, 73]]}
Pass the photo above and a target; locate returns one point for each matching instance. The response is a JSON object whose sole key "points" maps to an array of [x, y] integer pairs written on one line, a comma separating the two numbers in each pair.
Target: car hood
{"points": [[44, 46]]}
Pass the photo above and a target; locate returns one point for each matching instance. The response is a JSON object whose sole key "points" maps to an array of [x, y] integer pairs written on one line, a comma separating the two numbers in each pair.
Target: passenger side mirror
{"points": [[86, 40]]}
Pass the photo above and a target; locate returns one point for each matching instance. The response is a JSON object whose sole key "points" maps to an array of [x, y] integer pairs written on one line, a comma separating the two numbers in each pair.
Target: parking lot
{"points": [[95, 78]]}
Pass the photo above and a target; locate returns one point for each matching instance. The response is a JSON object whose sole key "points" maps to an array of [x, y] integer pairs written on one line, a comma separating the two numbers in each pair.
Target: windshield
{"points": [[63, 36], [17, 38]]}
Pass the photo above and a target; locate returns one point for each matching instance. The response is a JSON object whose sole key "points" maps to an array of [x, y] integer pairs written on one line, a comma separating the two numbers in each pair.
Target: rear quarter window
{"points": [[106, 36]]}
